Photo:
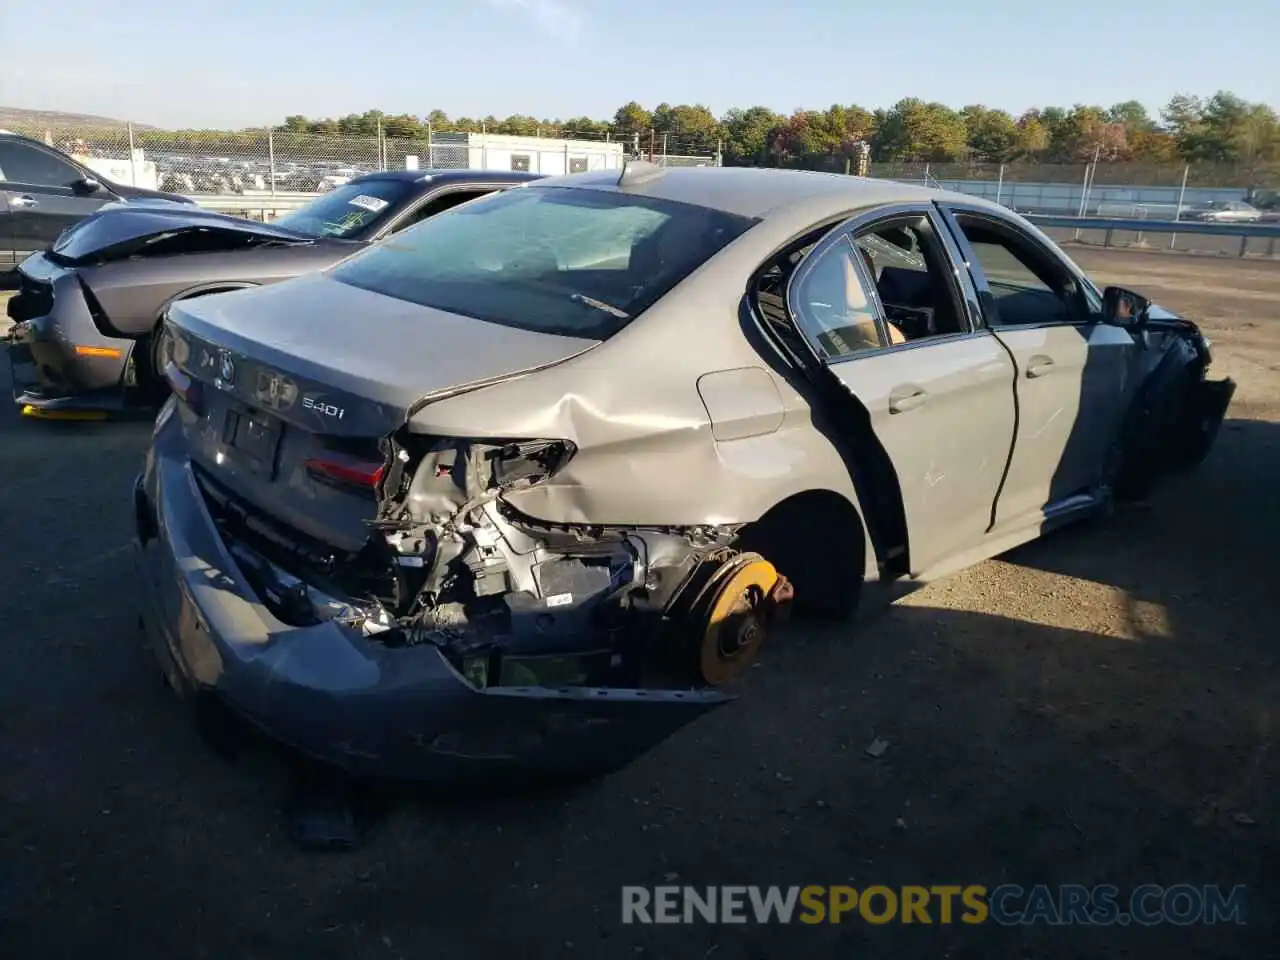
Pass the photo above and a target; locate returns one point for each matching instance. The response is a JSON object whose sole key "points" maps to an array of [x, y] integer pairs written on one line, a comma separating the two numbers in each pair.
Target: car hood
{"points": [[122, 230]]}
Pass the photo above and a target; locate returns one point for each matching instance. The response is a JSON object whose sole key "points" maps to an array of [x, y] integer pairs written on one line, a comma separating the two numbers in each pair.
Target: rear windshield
{"points": [[568, 261], [348, 210]]}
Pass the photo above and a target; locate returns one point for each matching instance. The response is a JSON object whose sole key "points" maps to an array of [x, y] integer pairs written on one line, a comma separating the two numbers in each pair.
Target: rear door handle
{"points": [[902, 399], [24, 201], [1039, 366]]}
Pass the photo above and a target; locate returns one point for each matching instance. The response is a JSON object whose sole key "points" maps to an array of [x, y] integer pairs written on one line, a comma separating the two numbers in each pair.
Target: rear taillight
{"points": [[364, 476]]}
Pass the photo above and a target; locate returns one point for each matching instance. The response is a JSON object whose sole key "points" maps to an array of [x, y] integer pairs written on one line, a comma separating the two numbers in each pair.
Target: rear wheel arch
{"points": [[817, 539]]}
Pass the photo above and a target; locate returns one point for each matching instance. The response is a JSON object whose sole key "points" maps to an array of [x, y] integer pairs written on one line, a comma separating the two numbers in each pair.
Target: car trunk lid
{"points": [[290, 390]]}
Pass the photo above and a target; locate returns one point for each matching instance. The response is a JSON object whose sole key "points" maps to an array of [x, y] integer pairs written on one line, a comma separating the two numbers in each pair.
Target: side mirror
{"points": [[1124, 307], [87, 185]]}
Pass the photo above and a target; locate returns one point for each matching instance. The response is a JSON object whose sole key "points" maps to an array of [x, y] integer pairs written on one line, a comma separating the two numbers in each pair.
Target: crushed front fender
{"points": [[1204, 410]]}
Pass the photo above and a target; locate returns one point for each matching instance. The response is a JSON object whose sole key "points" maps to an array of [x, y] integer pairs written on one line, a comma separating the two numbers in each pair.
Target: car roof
{"points": [[760, 192], [437, 176], [22, 136]]}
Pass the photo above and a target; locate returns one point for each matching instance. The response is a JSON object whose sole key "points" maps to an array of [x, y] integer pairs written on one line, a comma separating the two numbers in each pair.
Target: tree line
{"points": [[1222, 129]]}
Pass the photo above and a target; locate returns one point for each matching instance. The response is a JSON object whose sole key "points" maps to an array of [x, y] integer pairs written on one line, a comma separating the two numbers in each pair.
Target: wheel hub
{"points": [[739, 603]]}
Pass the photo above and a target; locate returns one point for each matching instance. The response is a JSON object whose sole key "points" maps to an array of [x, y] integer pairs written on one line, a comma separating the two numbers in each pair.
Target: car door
{"points": [[938, 390], [1072, 370], [41, 188]]}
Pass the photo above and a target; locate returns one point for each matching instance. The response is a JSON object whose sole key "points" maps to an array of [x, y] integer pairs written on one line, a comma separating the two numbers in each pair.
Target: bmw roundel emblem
{"points": [[226, 369]]}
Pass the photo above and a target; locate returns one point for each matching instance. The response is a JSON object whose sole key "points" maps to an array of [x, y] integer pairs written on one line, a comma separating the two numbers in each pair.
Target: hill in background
{"points": [[15, 118]]}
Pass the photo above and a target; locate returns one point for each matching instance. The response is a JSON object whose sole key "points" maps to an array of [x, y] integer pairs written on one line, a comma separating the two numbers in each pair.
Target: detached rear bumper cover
{"points": [[368, 708]]}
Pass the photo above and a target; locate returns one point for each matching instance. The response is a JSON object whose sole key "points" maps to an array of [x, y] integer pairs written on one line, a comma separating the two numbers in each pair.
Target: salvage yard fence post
{"points": [[133, 157], [1173, 237], [271, 159]]}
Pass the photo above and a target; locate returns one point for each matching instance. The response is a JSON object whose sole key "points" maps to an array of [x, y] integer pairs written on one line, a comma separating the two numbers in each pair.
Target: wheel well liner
{"points": [[812, 531]]}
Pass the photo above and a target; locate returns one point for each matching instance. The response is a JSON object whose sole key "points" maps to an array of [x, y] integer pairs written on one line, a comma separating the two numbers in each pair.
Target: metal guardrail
{"points": [[1245, 231], [1144, 225], [247, 203]]}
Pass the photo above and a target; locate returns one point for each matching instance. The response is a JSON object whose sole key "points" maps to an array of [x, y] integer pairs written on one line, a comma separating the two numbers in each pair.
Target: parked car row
{"points": [[224, 176], [523, 486]]}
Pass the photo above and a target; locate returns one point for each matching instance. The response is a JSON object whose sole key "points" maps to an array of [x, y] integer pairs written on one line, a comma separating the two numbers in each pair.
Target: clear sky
{"points": [[249, 62]]}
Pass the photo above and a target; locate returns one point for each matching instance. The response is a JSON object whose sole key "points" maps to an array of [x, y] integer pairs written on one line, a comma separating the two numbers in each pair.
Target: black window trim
{"points": [[948, 210], [479, 188], [960, 287]]}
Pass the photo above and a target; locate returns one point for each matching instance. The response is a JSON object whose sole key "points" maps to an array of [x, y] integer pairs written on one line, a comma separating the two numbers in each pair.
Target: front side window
{"points": [[568, 261], [1029, 287], [349, 209], [24, 163]]}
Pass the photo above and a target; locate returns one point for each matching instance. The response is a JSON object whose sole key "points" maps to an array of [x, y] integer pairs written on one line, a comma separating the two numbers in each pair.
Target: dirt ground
{"points": [[1097, 707]]}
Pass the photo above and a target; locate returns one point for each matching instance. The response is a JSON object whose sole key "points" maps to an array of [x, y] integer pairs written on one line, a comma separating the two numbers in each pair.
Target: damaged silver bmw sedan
{"points": [[524, 487]]}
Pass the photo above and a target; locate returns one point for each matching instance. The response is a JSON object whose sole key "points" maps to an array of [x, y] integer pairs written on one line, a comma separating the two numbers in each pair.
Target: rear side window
{"points": [[568, 261]]}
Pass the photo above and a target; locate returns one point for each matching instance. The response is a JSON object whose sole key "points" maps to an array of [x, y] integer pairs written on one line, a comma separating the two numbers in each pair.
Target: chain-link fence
{"points": [[256, 162], [271, 162]]}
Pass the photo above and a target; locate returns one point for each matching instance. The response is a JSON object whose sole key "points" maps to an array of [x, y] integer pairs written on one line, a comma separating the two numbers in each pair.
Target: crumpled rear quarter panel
{"points": [[647, 450]]}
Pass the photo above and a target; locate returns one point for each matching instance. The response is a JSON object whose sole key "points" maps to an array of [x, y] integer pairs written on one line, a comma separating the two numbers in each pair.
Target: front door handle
{"points": [[1039, 366], [903, 399], [24, 201]]}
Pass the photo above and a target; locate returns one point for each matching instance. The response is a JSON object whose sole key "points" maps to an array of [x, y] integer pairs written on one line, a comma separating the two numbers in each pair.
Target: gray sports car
{"points": [[88, 307], [525, 488]]}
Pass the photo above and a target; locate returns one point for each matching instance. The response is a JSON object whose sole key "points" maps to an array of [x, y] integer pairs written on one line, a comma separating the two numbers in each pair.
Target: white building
{"points": [[492, 151]]}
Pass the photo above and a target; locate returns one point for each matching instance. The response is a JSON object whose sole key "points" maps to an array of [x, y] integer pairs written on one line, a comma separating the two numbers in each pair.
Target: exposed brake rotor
{"points": [[732, 615]]}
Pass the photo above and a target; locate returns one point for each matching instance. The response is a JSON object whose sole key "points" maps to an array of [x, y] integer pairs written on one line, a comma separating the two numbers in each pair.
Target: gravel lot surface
{"points": [[1098, 707]]}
